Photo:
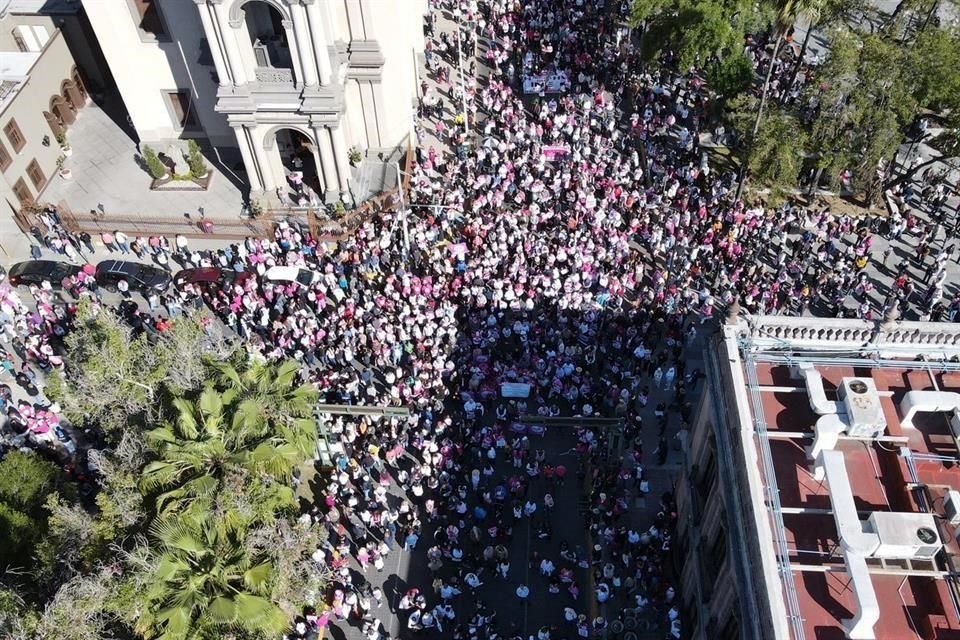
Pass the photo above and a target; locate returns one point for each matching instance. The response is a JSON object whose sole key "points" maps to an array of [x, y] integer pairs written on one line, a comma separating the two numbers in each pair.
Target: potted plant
{"points": [[257, 208], [156, 168], [198, 168], [64, 145], [355, 156], [65, 173]]}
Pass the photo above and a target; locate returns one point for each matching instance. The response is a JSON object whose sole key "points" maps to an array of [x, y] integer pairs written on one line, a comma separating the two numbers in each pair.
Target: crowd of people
{"points": [[574, 278]]}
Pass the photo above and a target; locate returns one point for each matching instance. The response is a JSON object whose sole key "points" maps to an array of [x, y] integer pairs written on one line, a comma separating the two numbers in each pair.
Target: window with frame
{"points": [[15, 136], [36, 175], [5, 159], [183, 111], [22, 191], [151, 21]]}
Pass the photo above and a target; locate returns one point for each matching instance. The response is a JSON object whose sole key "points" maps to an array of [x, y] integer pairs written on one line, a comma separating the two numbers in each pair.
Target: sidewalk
{"points": [[106, 171]]}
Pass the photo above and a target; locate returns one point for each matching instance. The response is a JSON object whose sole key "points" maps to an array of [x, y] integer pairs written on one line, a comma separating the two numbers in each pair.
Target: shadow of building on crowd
{"points": [[632, 401]]}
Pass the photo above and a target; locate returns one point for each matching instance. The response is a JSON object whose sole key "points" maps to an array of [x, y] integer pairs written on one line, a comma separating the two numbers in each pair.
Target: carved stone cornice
{"points": [[364, 60]]}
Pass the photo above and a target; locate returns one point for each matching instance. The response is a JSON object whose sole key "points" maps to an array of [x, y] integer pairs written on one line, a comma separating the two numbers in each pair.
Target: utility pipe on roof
{"points": [[815, 392], [828, 431], [857, 544], [928, 402]]}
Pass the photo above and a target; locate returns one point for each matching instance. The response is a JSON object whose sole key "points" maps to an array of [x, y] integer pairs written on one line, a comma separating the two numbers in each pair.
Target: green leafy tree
{"points": [[26, 480], [112, 379], [109, 375], [731, 75], [198, 166], [19, 533], [865, 97], [697, 31], [156, 168], [18, 621], [206, 584], [83, 609], [297, 579], [775, 156]]}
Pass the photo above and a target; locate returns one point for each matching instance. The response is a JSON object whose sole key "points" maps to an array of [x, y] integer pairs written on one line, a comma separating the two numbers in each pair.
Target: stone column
{"points": [[295, 57], [304, 47], [229, 31], [260, 157], [340, 157], [318, 161], [315, 22], [214, 40], [327, 165], [249, 162]]}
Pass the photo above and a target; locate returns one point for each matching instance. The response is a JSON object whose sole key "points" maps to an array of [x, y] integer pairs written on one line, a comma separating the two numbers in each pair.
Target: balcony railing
{"points": [[834, 333], [272, 75]]}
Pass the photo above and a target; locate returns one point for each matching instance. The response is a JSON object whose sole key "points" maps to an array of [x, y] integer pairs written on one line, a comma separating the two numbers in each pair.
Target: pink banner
{"points": [[556, 151]]}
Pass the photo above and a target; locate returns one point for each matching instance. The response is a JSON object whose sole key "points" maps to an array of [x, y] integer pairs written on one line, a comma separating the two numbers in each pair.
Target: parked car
{"points": [[211, 275], [141, 277], [36, 271], [292, 274]]}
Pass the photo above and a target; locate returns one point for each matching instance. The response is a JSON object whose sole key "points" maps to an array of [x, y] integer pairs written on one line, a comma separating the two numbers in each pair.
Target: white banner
{"points": [[515, 390]]}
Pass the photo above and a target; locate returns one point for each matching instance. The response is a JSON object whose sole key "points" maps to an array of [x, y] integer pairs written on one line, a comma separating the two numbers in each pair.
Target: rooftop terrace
{"points": [[908, 469]]}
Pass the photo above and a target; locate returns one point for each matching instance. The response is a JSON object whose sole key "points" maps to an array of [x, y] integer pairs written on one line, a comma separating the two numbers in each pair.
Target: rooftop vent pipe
{"points": [[814, 383], [928, 402], [857, 544]]}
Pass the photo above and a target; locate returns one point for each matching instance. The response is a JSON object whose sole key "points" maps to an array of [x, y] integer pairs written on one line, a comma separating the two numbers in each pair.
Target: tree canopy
{"points": [[861, 104], [191, 530]]}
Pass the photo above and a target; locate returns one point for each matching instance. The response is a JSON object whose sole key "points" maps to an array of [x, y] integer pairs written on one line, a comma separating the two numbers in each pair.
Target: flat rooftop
{"points": [[40, 7], [915, 600], [14, 70]]}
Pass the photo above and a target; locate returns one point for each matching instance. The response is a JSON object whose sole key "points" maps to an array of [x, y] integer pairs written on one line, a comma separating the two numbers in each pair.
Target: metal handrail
{"points": [[773, 493]]}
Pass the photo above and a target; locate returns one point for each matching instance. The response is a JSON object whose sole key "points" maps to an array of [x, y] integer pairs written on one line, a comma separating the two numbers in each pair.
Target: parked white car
{"points": [[304, 277]]}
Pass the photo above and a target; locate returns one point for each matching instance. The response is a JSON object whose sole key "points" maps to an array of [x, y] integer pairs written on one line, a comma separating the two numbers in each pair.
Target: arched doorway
{"points": [[70, 93], [293, 155], [269, 39], [78, 81], [60, 108], [54, 123]]}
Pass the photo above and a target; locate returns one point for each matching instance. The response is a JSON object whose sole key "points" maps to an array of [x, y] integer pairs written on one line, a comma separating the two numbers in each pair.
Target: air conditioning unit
{"points": [[951, 507], [861, 402], [905, 536]]}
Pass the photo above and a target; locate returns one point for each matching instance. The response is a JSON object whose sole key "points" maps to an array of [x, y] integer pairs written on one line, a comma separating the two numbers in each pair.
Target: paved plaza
{"points": [[107, 171]]}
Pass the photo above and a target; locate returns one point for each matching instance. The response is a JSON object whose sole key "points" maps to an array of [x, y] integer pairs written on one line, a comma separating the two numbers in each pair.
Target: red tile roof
{"points": [[911, 606]]}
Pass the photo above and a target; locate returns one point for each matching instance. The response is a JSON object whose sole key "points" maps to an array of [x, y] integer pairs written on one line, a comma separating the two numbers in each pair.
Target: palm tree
{"points": [[786, 14], [255, 427], [206, 584], [274, 417], [268, 392], [192, 452]]}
